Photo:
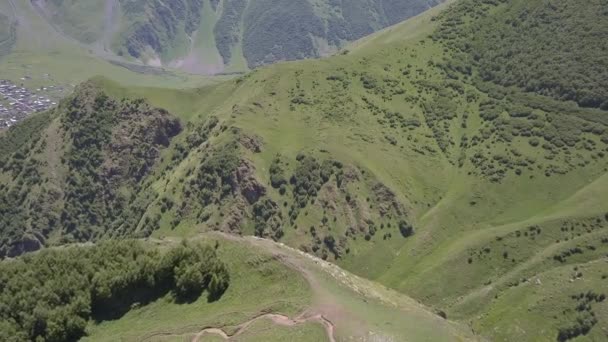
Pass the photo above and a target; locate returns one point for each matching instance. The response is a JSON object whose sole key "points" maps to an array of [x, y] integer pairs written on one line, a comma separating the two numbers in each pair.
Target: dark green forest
{"points": [[53, 294], [111, 146], [275, 30], [162, 23]]}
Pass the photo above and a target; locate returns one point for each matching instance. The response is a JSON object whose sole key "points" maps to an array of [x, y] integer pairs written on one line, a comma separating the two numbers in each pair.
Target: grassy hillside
{"points": [[80, 19], [251, 290], [399, 160], [285, 282], [523, 50], [251, 272], [7, 34], [42, 55]]}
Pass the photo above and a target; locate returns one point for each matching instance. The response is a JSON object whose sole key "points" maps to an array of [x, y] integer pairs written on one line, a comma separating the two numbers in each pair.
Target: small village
{"points": [[17, 102]]}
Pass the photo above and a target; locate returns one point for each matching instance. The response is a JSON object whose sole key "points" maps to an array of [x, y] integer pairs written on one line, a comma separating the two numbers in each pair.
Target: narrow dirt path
{"points": [[323, 310], [328, 307], [276, 319], [325, 307]]}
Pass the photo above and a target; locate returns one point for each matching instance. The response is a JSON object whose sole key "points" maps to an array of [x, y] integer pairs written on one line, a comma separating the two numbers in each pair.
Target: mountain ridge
{"points": [[395, 160], [243, 35]]}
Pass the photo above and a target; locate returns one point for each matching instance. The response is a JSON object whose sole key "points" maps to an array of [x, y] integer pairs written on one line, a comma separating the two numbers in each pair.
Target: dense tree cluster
{"points": [[560, 135], [108, 148], [274, 30], [114, 145], [280, 30], [15, 146], [278, 179], [267, 219], [405, 228], [308, 178], [490, 44], [564, 255], [585, 316], [19, 136], [214, 179], [198, 134], [265, 31], [51, 295], [439, 112]]}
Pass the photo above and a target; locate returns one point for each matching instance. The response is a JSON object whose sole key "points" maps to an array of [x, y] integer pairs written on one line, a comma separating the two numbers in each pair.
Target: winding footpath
{"points": [[326, 309], [276, 319], [319, 314]]}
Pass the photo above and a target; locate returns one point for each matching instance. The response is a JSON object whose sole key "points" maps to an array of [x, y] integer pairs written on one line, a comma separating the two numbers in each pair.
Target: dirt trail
{"points": [[326, 308], [323, 310], [276, 319]]}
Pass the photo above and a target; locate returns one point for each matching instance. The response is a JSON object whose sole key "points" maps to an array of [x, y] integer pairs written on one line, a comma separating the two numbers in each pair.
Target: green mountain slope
{"points": [[216, 286], [7, 34], [210, 36], [36, 54], [523, 50], [399, 160]]}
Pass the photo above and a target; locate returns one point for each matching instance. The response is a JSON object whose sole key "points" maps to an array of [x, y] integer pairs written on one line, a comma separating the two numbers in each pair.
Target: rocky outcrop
{"points": [[253, 143], [142, 131], [246, 184], [387, 201], [351, 175], [236, 214]]}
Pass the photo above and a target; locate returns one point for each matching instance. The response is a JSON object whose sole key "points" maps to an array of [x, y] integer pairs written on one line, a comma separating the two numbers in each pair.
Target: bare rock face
{"points": [[387, 201], [166, 128], [246, 183], [137, 140], [252, 143], [351, 175], [252, 191], [236, 214]]}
